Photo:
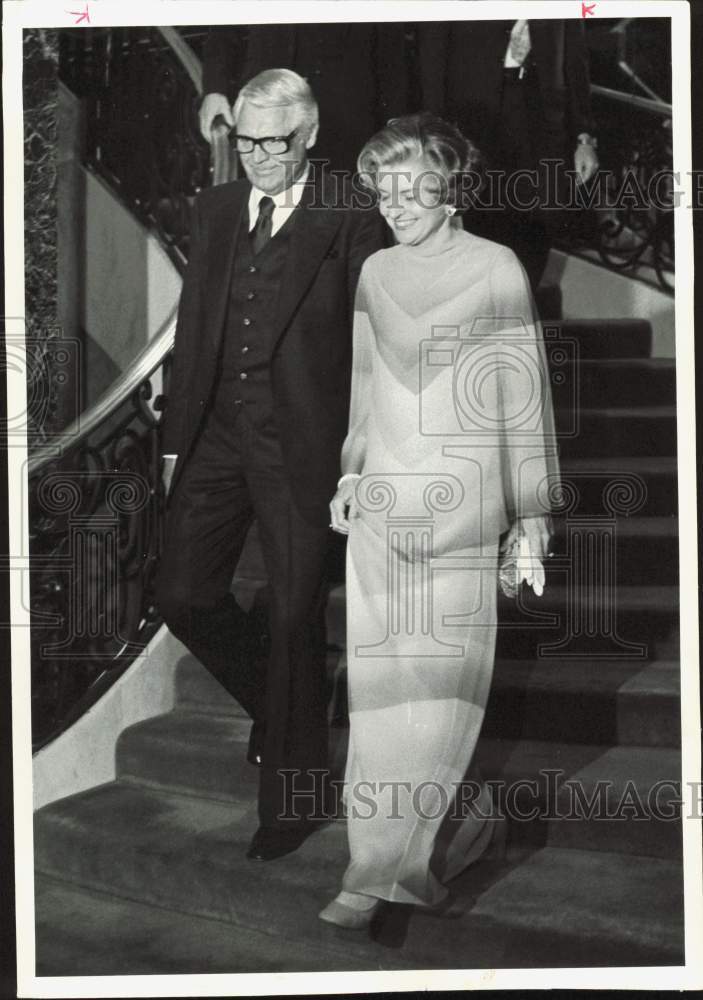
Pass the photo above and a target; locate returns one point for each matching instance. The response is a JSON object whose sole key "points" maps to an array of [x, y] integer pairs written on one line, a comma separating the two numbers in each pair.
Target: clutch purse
{"points": [[508, 569], [517, 564]]}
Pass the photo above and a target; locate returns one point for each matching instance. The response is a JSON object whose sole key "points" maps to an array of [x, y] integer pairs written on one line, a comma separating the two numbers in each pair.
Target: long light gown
{"points": [[451, 430]]}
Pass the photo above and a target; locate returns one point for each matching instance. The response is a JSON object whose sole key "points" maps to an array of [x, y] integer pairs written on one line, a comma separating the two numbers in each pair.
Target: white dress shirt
{"points": [[284, 203], [520, 34]]}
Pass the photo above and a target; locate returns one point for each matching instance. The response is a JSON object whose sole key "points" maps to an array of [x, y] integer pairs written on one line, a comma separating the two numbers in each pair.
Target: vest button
{"points": [[246, 321], [243, 376], [251, 295], [252, 269], [245, 349]]}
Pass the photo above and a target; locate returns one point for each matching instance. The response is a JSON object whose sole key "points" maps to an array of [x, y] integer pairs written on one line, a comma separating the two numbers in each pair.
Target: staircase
{"points": [[147, 874]]}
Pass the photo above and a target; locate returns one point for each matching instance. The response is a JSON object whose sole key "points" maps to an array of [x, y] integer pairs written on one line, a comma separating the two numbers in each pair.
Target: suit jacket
{"points": [[310, 342], [461, 68], [359, 74]]}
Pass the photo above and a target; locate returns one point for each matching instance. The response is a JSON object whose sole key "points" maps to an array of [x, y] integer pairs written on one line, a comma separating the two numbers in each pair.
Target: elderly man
{"points": [[257, 413]]}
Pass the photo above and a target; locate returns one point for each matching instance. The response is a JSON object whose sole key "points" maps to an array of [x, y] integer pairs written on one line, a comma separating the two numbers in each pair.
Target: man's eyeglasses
{"points": [[271, 144]]}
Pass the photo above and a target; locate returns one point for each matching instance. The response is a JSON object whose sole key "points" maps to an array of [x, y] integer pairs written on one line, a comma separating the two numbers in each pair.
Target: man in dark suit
{"points": [[359, 74], [521, 91], [258, 408]]}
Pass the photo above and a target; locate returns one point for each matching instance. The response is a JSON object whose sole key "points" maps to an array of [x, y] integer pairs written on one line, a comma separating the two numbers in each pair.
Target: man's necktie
{"points": [[261, 233]]}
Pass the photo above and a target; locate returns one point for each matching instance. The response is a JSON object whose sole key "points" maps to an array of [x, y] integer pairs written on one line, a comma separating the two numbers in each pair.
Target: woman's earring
{"points": [[450, 210]]}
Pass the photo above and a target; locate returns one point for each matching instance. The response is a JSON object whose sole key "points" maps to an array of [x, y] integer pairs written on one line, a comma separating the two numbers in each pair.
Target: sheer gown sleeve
{"points": [[354, 447], [527, 438]]}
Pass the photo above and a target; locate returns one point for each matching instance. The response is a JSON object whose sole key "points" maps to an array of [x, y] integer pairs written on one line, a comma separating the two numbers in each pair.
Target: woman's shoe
{"points": [[353, 917]]}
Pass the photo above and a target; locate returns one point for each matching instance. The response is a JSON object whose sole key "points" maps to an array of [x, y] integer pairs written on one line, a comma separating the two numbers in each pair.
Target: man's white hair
{"points": [[280, 88]]}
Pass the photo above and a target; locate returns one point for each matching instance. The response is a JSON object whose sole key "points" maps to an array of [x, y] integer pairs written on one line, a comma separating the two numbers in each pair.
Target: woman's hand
{"points": [[538, 531], [529, 539], [343, 504]]}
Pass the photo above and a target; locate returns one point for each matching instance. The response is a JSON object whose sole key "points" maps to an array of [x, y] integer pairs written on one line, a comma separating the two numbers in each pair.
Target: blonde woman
{"points": [[450, 446]]}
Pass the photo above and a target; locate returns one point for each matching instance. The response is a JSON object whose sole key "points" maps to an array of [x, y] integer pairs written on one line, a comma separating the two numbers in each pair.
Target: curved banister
{"points": [[139, 371], [634, 100], [187, 58], [219, 143]]}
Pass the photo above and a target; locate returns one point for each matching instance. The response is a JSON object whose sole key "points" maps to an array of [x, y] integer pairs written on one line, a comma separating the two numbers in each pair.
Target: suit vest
{"points": [[244, 381]]}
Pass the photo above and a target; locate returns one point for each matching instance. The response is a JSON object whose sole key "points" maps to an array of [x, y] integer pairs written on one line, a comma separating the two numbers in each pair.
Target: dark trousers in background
{"points": [[234, 474], [529, 233]]}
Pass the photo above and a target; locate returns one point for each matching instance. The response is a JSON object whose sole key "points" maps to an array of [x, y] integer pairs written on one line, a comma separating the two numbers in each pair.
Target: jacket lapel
{"points": [[224, 233], [314, 229]]}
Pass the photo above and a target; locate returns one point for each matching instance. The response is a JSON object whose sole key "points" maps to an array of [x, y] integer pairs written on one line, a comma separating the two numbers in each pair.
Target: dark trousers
{"points": [[236, 474], [515, 147]]}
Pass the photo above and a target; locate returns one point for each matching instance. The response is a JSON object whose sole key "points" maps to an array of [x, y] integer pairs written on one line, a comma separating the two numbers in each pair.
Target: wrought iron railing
{"points": [[630, 226], [140, 88], [96, 522], [96, 501]]}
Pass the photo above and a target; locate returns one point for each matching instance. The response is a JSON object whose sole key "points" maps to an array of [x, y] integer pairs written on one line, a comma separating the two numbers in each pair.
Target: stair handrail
{"points": [[187, 58], [149, 359], [657, 107]]}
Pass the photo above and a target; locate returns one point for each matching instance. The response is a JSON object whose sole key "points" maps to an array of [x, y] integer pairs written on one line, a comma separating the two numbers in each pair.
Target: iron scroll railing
{"points": [[96, 514], [630, 226], [95, 497]]}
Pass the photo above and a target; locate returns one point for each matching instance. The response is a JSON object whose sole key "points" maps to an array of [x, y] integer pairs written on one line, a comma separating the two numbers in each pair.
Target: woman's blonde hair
{"points": [[426, 136]]}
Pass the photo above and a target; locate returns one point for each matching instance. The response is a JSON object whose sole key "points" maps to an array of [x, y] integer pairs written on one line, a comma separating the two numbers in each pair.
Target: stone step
{"points": [[607, 338], [204, 755], [619, 702], [581, 701], [197, 690], [618, 382], [651, 479], [614, 431], [187, 855], [555, 624], [637, 617], [558, 881], [634, 815], [194, 753], [645, 549]]}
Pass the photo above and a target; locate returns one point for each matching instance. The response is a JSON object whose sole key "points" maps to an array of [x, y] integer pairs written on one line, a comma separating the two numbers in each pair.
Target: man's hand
{"points": [[343, 500], [212, 106], [585, 162]]}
